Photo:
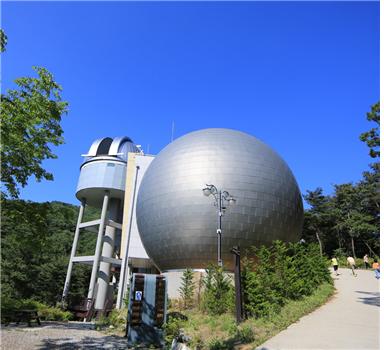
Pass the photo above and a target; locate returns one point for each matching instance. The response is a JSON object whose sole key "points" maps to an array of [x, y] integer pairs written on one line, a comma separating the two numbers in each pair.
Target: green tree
{"points": [[31, 119], [353, 217], [369, 186], [187, 288], [3, 40], [36, 245], [318, 216], [372, 137], [273, 275], [352, 213], [218, 296]]}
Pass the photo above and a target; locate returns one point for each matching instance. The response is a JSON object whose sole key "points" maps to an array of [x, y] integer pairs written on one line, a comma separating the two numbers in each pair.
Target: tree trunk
{"points": [[320, 244], [339, 239], [353, 247], [370, 249]]}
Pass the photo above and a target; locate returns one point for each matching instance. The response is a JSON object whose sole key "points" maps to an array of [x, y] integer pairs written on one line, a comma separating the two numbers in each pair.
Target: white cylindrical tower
{"points": [[102, 185], [104, 169]]}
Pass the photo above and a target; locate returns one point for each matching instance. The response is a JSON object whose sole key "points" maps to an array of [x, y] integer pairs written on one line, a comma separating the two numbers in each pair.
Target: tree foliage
{"points": [[349, 219], [372, 137], [187, 288], [36, 245], [3, 40], [272, 276], [31, 117], [318, 216], [218, 296]]}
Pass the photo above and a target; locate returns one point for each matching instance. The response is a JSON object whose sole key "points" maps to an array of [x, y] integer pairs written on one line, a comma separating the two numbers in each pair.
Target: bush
{"points": [[218, 296], [262, 288], [245, 333], [172, 328], [187, 288], [46, 313], [115, 319], [217, 344], [272, 276], [54, 314]]}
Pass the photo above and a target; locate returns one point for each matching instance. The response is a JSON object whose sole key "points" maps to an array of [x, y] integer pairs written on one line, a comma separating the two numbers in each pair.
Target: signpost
{"points": [[238, 289]]}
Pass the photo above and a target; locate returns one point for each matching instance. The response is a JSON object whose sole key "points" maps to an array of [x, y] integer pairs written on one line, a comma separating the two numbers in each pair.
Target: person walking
{"points": [[366, 261], [352, 264], [376, 268], [335, 265]]}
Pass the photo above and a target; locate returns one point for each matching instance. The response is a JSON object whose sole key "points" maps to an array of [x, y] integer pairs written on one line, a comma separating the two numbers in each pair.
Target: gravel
{"points": [[57, 335]]}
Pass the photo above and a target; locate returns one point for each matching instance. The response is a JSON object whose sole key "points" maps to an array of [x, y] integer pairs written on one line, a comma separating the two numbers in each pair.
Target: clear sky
{"points": [[300, 76]]}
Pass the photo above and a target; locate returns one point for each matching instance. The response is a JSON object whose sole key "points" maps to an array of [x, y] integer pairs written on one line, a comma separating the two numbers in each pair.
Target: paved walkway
{"points": [[348, 321]]}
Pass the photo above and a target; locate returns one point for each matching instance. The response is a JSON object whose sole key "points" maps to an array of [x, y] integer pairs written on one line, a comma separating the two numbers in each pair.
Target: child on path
{"points": [[335, 265], [352, 264], [376, 268], [366, 261]]}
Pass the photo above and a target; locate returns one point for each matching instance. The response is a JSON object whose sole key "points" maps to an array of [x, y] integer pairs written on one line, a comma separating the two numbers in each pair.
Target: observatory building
{"points": [[154, 215], [109, 177]]}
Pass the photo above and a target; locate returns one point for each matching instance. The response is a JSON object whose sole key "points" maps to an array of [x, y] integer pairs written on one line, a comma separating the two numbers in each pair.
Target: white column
{"points": [[99, 242], [124, 271], [108, 252], [73, 251]]}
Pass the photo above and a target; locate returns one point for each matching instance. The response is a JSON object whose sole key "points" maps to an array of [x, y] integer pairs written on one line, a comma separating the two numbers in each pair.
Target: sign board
{"points": [[138, 295]]}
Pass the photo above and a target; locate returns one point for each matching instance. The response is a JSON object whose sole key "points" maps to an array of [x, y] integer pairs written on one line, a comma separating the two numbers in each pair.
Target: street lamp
{"points": [[221, 197]]}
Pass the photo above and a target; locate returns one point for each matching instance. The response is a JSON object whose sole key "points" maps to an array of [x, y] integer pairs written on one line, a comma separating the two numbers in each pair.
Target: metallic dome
{"points": [[177, 223]]}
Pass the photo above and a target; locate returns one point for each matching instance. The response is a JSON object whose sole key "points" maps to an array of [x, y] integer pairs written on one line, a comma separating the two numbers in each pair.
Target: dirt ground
{"points": [[58, 335]]}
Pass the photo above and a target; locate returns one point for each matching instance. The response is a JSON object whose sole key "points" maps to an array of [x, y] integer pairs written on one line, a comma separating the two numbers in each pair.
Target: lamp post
{"points": [[221, 198]]}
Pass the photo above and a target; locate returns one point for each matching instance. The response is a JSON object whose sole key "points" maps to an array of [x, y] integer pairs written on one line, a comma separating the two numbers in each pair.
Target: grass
{"points": [[221, 332], [115, 322], [291, 313]]}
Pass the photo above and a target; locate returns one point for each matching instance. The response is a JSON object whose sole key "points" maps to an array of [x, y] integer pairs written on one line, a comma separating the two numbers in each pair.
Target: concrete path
{"points": [[350, 320]]}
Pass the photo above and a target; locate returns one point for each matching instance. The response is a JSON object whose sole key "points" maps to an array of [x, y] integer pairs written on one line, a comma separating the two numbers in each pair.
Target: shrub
{"points": [[187, 288], [245, 333], [272, 276], [262, 288], [217, 344], [172, 328], [218, 296], [115, 319], [54, 314], [46, 313]]}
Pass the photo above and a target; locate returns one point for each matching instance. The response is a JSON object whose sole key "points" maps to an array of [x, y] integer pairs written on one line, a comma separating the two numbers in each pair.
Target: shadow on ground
{"points": [[372, 298], [107, 342], [51, 324], [70, 325]]}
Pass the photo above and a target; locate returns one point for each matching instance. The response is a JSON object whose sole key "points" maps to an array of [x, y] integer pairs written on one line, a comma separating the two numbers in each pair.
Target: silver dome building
{"points": [[177, 223]]}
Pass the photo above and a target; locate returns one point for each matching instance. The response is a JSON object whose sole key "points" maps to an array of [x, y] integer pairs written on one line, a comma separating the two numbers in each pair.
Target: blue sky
{"points": [[300, 76]]}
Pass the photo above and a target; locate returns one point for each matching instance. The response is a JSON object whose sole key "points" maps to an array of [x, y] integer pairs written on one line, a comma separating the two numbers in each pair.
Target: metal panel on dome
{"points": [[103, 142], [121, 146]]}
